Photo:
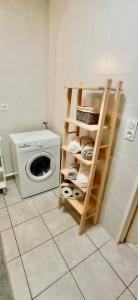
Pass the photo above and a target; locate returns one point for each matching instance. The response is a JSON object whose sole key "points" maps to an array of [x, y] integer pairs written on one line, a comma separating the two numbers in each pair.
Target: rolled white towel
{"points": [[83, 176], [66, 192], [74, 145], [73, 171], [77, 193]]}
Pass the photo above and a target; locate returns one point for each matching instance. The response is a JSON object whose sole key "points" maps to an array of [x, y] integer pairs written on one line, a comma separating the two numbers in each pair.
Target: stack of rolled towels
{"points": [[85, 145], [73, 171], [68, 190], [80, 173]]}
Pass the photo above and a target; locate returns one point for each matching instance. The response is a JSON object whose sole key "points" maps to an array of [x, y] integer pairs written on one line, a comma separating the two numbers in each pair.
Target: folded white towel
{"points": [[83, 176], [74, 145]]}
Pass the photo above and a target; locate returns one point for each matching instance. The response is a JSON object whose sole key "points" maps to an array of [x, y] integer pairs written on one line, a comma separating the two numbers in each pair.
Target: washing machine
{"points": [[36, 160]]}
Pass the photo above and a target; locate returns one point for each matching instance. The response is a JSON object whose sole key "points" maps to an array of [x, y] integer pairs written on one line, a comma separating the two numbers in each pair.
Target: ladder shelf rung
{"points": [[87, 87], [91, 128], [79, 204]]}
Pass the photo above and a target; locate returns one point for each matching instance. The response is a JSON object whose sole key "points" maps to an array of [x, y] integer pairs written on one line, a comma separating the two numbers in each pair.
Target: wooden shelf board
{"points": [[80, 158], [96, 183], [79, 204], [87, 87], [83, 125]]}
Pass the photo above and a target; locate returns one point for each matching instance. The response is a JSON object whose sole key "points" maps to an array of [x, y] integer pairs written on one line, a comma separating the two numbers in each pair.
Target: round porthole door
{"points": [[40, 166]]}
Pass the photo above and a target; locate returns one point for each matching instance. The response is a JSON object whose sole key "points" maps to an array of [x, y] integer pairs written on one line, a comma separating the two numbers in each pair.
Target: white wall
{"points": [[90, 41], [23, 67]]}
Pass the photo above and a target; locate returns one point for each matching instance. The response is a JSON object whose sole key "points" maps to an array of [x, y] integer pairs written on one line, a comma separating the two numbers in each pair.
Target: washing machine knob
{"points": [[40, 144]]}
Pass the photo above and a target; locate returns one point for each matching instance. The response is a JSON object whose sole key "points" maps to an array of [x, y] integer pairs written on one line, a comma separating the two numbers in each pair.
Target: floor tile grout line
{"points": [[5, 229], [51, 284], [109, 262], [104, 244], [27, 198], [21, 260], [121, 294], [52, 237], [127, 289], [71, 269], [63, 256], [113, 268], [22, 254], [132, 294], [133, 280], [15, 225], [77, 284], [131, 250], [95, 244], [130, 285], [68, 266], [97, 249], [41, 215]]}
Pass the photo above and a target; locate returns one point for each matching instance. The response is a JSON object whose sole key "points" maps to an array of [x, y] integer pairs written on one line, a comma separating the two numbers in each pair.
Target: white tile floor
{"points": [[47, 259]]}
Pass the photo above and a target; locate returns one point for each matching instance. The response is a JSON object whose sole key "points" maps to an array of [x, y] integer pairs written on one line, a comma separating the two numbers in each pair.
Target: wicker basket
{"points": [[87, 115]]}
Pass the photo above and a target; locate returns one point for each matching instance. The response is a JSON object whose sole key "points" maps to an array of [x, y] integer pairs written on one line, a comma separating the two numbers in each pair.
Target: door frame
{"points": [[129, 214]]}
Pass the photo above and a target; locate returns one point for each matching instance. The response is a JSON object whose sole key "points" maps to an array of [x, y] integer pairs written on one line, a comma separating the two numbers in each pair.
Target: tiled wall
{"points": [[90, 41], [23, 68]]}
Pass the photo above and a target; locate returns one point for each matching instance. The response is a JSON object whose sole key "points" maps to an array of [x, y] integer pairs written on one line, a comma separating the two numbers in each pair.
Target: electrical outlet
{"points": [[4, 106], [130, 130]]}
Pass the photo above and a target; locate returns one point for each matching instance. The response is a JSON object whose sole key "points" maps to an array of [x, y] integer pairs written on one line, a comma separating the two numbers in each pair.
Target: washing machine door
{"points": [[40, 166]]}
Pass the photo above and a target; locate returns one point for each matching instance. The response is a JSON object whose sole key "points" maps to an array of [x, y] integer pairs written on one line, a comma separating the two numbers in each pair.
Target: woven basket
{"points": [[87, 115]]}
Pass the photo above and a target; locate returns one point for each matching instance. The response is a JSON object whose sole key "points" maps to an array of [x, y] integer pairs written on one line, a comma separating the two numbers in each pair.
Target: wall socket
{"points": [[130, 129], [4, 106]]}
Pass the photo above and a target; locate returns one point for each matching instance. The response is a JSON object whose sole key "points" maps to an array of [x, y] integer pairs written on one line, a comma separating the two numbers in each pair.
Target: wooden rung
{"points": [[91, 128], [71, 132], [79, 204], [87, 87]]}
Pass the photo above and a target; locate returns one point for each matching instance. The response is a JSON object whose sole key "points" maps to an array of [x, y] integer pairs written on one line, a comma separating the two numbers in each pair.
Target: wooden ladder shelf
{"points": [[90, 207]]}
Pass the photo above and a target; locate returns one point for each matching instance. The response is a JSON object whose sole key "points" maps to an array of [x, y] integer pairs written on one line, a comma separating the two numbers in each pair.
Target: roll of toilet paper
{"points": [[77, 193], [66, 191]]}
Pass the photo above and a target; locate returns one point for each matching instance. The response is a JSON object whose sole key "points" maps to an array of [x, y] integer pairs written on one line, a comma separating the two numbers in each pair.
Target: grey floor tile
{"points": [[56, 191], [31, 234], [2, 202], [9, 245], [134, 287], [64, 289], [133, 247], [12, 196], [43, 265], [74, 247], [126, 296], [97, 280], [98, 235], [122, 259], [58, 220], [22, 211], [11, 184], [45, 202], [18, 280], [4, 219]]}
